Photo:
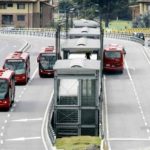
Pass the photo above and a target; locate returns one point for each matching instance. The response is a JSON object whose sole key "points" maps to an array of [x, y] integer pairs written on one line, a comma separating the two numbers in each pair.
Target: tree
{"points": [[142, 21], [109, 9]]}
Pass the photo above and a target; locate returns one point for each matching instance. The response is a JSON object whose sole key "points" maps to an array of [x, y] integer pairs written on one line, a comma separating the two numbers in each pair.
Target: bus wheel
{"points": [[41, 75]]}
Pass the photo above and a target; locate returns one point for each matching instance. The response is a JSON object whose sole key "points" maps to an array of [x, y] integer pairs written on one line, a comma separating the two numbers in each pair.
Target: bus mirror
{"points": [[38, 59], [124, 51]]}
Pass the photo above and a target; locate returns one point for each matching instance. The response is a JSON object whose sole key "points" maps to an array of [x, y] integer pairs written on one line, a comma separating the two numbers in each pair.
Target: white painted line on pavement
{"points": [[1, 134], [5, 121], [136, 95], [8, 115], [2, 141], [26, 120], [34, 74], [106, 113], [146, 55], [2, 127], [129, 139], [24, 138]]}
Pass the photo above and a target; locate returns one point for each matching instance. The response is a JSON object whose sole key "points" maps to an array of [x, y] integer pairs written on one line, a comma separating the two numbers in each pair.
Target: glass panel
{"points": [[3, 88], [16, 65], [20, 17], [88, 117], [68, 92], [67, 116], [88, 97], [112, 54], [47, 62]]}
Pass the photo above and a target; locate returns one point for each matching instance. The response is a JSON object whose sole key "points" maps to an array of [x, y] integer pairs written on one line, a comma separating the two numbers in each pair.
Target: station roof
{"points": [[85, 23], [77, 64], [84, 31], [81, 45]]}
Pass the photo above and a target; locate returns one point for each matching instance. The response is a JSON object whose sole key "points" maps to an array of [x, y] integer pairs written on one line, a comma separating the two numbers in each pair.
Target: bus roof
{"points": [[85, 23], [81, 45], [18, 55], [84, 32], [48, 49], [6, 74], [113, 47]]}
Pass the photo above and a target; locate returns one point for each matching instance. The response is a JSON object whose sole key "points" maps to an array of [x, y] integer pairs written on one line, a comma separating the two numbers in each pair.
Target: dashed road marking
{"points": [[24, 138]]}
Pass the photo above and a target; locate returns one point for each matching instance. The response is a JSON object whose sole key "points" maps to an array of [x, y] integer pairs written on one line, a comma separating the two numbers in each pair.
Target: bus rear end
{"points": [[46, 61], [19, 62], [113, 59], [7, 88]]}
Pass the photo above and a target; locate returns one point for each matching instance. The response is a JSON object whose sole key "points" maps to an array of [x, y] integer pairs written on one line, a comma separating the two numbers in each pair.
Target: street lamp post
{"points": [[57, 44], [101, 67]]}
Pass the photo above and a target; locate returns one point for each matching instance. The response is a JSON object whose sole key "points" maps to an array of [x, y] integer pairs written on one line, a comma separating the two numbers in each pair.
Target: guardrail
{"points": [[52, 33], [32, 32], [51, 132], [124, 37]]}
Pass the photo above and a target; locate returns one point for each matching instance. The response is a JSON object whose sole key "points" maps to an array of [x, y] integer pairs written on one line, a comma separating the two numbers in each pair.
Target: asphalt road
{"points": [[21, 127], [127, 101]]}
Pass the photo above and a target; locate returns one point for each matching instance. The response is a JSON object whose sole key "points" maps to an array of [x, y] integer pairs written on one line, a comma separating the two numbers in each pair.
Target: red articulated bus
{"points": [[46, 59], [19, 62], [113, 58], [7, 88]]}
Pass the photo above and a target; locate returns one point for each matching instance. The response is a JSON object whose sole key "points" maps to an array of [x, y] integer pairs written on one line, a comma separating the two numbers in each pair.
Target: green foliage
{"points": [[89, 9], [142, 21], [77, 142]]}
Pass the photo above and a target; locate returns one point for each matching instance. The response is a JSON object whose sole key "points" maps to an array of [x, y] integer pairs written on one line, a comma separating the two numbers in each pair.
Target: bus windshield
{"points": [[17, 66], [47, 62], [3, 88], [112, 55]]}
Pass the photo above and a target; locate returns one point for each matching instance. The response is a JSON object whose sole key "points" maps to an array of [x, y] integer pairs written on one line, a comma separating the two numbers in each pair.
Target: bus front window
{"points": [[47, 62], [18, 67], [3, 88], [113, 55]]}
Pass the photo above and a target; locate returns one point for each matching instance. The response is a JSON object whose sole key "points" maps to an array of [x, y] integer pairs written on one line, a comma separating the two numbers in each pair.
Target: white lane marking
{"points": [[24, 138], [129, 139], [146, 55], [33, 74], [5, 121], [106, 113], [8, 115], [2, 127], [44, 119], [1, 134], [136, 95], [26, 120], [2, 141]]}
